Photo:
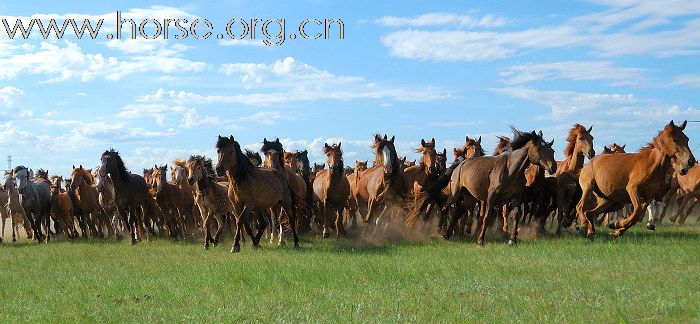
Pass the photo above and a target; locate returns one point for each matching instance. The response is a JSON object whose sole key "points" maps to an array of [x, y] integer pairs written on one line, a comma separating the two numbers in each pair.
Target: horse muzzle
{"points": [[190, 180], [591, 154], [553, 168]]}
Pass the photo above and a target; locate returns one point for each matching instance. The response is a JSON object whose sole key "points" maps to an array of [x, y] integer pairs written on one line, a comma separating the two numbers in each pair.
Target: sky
{"points": [[414, 69]]}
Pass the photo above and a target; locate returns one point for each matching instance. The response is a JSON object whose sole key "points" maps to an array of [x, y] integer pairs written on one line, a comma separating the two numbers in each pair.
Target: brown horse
{"points": [[386, 183], [354, 205], [689, 191], [170, 199], [87, 200], [211, 197], [179, 174], [62, 208], [637, 178], [298, 162], [254, 190], [332, 189], [502, 146], [131, 190], [496, 180], [254, 157], [579, 146], [614, 148], [274, 159]]}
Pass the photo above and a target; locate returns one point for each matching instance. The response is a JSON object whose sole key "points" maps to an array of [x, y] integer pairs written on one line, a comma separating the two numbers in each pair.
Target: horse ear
{"points": [[339, 143], [590, 129], [671, 123], [422, 142], [264, 139], [73, 166], [81, 167], [466, 139], [682, 126], [433, 141], [551, 143], [540, 134], [384, 136], [377, 138], [444, 151], [231, 138], [277, 140], [366, 161], [623, 146], [479, 140], [392, 139]]}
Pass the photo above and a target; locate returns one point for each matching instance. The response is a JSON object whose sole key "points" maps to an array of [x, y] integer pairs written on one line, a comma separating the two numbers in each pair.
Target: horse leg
{"points": [[13, 217], [292, 220], [326, 211], [505, 212], [262, 224], [518, 214], [687, 212], [205, 227], [486, 214], [339, 228], [637, 214]]}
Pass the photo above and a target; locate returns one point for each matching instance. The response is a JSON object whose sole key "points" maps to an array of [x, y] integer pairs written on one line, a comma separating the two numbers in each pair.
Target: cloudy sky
{"points": [[416, 69]]}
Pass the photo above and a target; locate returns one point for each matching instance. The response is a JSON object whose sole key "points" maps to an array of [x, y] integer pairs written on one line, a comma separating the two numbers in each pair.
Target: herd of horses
{"points": [[281, 193]]}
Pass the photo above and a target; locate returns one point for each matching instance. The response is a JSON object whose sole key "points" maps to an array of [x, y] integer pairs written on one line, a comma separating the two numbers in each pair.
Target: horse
{"points": [[614, 148], [502, 146], [637, 178], [332, 189], [298, 162], [353, 199], [211, 198], [179, 174], [254, 190], [386, 182], [274, 159], [62, 209], [88, 200], [108, 200], [14, 208], [496, 180], [131, 190], [579, 146], [170, 200], [254, 157], [689, 190], [36, 200]]}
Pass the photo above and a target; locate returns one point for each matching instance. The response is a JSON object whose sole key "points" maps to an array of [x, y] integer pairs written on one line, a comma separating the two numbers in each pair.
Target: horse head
{"points": [[675, 144], [335, 157]]}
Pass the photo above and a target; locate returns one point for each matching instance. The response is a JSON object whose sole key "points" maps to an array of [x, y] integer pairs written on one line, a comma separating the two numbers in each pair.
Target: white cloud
{"points": [[70, 62], [442, 18], [241, 42], [622, 29], [193, 119], [687, 80], [574, 70], [268, 117], [288, 70]]}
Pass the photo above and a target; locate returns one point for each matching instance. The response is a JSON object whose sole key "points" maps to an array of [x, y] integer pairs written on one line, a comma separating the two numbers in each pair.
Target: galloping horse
{"points": [[354, 205], [211, 198], [579, 145], [170, 200], [108, 200], [386, 182], [254, 190], [496, 180], [36, 200], [179, 174], [614, 179], [689, 189], [131, 190], [274, 159], [254, 157], [88, 201], [332, 189], [62, 208], [13, 205], [298, 162]]}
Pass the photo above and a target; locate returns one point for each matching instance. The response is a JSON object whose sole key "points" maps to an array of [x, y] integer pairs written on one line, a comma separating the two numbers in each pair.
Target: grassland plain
{"points": [[643, 276]]}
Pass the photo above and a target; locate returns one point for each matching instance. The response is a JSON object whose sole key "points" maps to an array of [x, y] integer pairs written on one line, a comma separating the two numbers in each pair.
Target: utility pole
{"points": [[9, 162]]}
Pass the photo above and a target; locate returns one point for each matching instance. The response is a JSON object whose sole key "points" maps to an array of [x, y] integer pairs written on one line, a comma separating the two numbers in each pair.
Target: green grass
{"points": [[642, 276]]}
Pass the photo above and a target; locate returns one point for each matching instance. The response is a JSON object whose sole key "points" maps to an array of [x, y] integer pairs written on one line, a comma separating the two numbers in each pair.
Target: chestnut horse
{"points": [[274, 159], [496, 180], [88, 201], [179, 174], [637, 178], [332, 189], [386, 182], [170, 199], [689, 190], [579, 146], [62, 208], [210, 197], [131, 190], [354, 205], [254, 190]]}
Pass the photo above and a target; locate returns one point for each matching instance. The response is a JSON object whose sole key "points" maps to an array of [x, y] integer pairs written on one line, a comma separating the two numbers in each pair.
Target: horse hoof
{"points": [[296, 245], [512, 242], [236, 249], [133, 242], [612, 226], [206, 247], [326, 235], [651, 227], [282, 243]]}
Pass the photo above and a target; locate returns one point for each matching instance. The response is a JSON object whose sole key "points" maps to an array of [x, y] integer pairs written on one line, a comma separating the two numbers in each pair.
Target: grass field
{"points": [[642, 276]]}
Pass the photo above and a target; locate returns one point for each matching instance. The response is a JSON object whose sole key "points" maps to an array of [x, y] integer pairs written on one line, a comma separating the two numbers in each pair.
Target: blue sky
{"points": [[416, 69]]}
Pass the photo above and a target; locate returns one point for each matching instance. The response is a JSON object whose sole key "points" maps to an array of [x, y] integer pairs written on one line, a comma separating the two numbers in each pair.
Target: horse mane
{"points": [[522, 138], [277, 146], [180, 162], [253, 155], [19, 168], [503, 142], [303, 156], [87, 177], [574, 132], [244, 168], [207, 164], [121, 168]]}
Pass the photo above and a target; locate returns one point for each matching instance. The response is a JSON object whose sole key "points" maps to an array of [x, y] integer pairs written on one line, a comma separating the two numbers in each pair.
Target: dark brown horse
{"points": [[494, 181], [131, 190], [614, 179], [254, 190], [331, 189]]}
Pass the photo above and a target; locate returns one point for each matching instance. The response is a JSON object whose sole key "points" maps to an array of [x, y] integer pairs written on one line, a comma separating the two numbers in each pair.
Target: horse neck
{"points": [[656, 160], [518, 161], [119, 183], [202, 185], [574, 162]]}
